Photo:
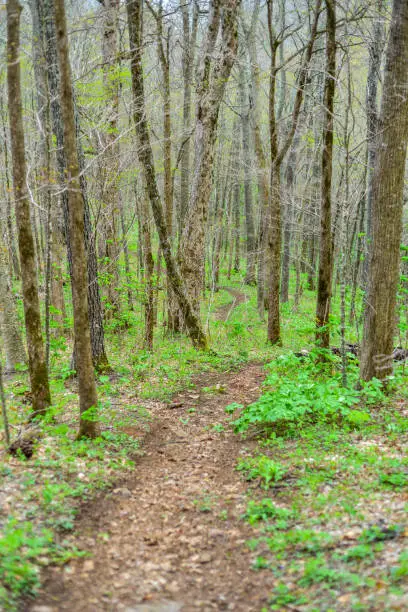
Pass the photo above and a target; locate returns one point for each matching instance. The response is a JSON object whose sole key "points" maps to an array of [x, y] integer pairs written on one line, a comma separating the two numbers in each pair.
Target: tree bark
{"points": [[148, 265], [375, 51], [163, 51], [189, 42], [247, 163], [126, 255], [273, 218], [288, 221], [262, 170], [44, 163], [37, 365], [9, 323], [99, 357], [83, 351], [236, 200], [13, 257], [145, 154], [324, 290], [211, 91], [387, 203], [110, 156]]}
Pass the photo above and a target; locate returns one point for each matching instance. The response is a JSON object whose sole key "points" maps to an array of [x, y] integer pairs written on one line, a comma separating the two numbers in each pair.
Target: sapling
{"points": [[4, 408]]}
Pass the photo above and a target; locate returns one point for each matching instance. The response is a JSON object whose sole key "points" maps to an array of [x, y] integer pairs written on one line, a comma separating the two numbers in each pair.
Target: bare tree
{"points": [[212, 83], [36, 357], [375, 52], [324, 290], [110, 214], [387, 203], [99, 357], [9, 323], [145, 153], [189, 42], [272, 219], [83, 351], [163, 39], [245, 104]]}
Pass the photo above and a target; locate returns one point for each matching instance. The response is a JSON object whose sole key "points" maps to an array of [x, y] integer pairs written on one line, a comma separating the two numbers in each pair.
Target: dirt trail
{"points": [[171, 538], [224, 312]]}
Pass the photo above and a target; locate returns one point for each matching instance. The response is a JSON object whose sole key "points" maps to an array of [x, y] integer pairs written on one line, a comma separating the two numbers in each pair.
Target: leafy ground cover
{"points": [[40, 497], [328, 501], [328, 459]]}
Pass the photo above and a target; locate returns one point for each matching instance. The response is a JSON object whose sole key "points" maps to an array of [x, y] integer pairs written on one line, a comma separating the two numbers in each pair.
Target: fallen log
{"points": [[25, 443]]}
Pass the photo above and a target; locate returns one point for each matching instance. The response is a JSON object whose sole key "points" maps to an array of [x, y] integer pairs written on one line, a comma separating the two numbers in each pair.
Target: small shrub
{"points": [[264, 510], [400, 571], [303, 392], [317, 572], [361, 551], [396, 479], [20, 548], [262, 467]]}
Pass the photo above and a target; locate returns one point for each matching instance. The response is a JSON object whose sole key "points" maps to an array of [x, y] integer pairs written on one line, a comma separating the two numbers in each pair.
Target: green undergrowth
{"points": [[303, 390], [328, 485], [43, 495]]}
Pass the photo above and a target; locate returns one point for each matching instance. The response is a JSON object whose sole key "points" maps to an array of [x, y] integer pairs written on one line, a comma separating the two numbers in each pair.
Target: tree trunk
{"points": [[109, 161], [387, 203], [44, 170], [83, 352], [37, 365], [211, 90], [288, 221], [358, 257], [375, 51], [273, 220], [126, 255], [163, 50], [236, 200], [192, 321], [57, 272], [262, 170], [4, 409], [99, 357], [247, 162], [189, 42], [148, 264], [13, 255], [9, 323], [273, 216], [324, 290]]}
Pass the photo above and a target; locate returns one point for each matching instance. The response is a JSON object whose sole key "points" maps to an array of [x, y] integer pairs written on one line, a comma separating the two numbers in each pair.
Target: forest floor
{"points": [[207, 519], [173, 530], [172, 538]]}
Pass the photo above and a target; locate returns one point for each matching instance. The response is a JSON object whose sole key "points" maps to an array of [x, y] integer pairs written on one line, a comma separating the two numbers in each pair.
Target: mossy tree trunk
{"points": [[212, 83], [145, 154], [36, 356], [83, 351], [324, 289], [387, 204], [9, 323]]}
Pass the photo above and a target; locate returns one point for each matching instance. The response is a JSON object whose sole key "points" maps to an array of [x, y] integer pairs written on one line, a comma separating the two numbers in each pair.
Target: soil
{"points": [[171, 537], [223, 313]]}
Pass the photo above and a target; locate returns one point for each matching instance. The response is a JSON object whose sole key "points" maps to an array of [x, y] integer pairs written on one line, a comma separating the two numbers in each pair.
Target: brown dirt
{"points": [[173, 531], [224, 312], [171, 537]]}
